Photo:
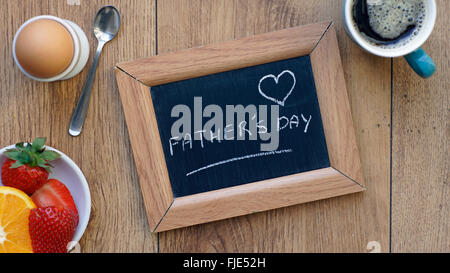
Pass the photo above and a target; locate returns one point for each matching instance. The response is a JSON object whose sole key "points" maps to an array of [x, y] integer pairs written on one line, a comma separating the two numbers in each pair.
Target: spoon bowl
{"points": [[106, 23]]}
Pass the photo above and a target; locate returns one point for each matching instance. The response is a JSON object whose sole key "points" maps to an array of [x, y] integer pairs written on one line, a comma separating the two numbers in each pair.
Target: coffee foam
{"points": [[391, 18]]}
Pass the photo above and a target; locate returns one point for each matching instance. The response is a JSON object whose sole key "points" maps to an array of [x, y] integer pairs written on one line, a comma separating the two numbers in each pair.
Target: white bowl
{"points": [[66, 171]]}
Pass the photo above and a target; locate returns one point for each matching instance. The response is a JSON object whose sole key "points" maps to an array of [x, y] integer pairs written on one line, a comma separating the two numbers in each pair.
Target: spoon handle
{"points": [[79, 115]]}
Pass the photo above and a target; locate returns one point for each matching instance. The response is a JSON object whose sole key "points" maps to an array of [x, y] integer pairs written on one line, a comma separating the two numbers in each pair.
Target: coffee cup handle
{"points": [[421, 63]]}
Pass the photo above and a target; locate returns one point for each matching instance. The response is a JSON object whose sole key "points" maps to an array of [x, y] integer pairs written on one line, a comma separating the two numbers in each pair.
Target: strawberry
{"points": [[27, 166], [51, 229], [54, 193]]}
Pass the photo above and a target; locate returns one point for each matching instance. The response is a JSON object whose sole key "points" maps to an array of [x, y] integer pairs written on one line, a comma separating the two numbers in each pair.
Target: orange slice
{"points": [[15, 206]]}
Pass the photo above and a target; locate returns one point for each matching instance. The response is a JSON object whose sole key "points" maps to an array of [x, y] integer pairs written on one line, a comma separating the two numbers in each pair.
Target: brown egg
{"points": [[44, 48]]}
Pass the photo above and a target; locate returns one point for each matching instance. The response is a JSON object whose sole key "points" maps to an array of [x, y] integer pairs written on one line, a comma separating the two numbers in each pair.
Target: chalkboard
{"points": [[288, 150], [225, 160]]}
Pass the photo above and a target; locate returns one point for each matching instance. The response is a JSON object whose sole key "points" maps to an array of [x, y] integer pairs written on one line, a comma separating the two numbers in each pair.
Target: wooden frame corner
{"points": [[335, 107], [147, 148]]}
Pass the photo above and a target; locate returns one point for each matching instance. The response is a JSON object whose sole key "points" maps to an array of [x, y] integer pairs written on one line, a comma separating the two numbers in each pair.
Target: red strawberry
{"points": [[54, 193], [27, 166], [24, 177], [51, 229]]}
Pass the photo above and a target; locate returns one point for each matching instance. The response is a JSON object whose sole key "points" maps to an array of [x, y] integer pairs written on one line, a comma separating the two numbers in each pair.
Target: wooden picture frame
{"points": [[165, 212]]}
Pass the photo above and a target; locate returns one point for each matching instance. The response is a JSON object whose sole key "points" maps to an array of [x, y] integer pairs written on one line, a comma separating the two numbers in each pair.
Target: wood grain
{"points": [[255, 197], [334, 107], [147, 148], [343, 224], [29, 109], [225, 56], [420, 149], [118, 222]]}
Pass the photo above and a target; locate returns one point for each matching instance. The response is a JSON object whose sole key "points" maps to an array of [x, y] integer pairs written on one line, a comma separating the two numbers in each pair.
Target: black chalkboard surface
{"points": [[204, 165]]}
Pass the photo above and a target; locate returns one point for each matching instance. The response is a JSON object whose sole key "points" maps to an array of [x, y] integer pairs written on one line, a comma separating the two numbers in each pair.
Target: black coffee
{"points": [[388, 21]]}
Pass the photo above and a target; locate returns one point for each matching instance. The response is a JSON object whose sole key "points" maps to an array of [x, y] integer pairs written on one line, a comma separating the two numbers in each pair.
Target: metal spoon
{"points": [[105, 27]]}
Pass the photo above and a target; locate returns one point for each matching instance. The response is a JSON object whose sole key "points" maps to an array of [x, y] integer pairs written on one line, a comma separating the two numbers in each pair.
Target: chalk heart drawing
{"points": [[276, 79]]}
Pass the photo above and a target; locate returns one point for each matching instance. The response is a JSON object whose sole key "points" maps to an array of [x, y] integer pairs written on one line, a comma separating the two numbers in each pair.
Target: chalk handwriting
{"points": [[276, 79], [239, 158]]}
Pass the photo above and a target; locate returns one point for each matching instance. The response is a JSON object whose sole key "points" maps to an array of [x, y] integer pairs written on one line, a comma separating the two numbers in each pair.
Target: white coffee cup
{"points": [[81, 49], [416, 57]]}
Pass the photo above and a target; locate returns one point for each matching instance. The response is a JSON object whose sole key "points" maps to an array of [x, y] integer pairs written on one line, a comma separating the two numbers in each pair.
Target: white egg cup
{"points": [[81, 49]]}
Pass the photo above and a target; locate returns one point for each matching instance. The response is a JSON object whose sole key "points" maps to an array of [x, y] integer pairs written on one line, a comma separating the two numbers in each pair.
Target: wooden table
{"points": [[401, 125]]}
